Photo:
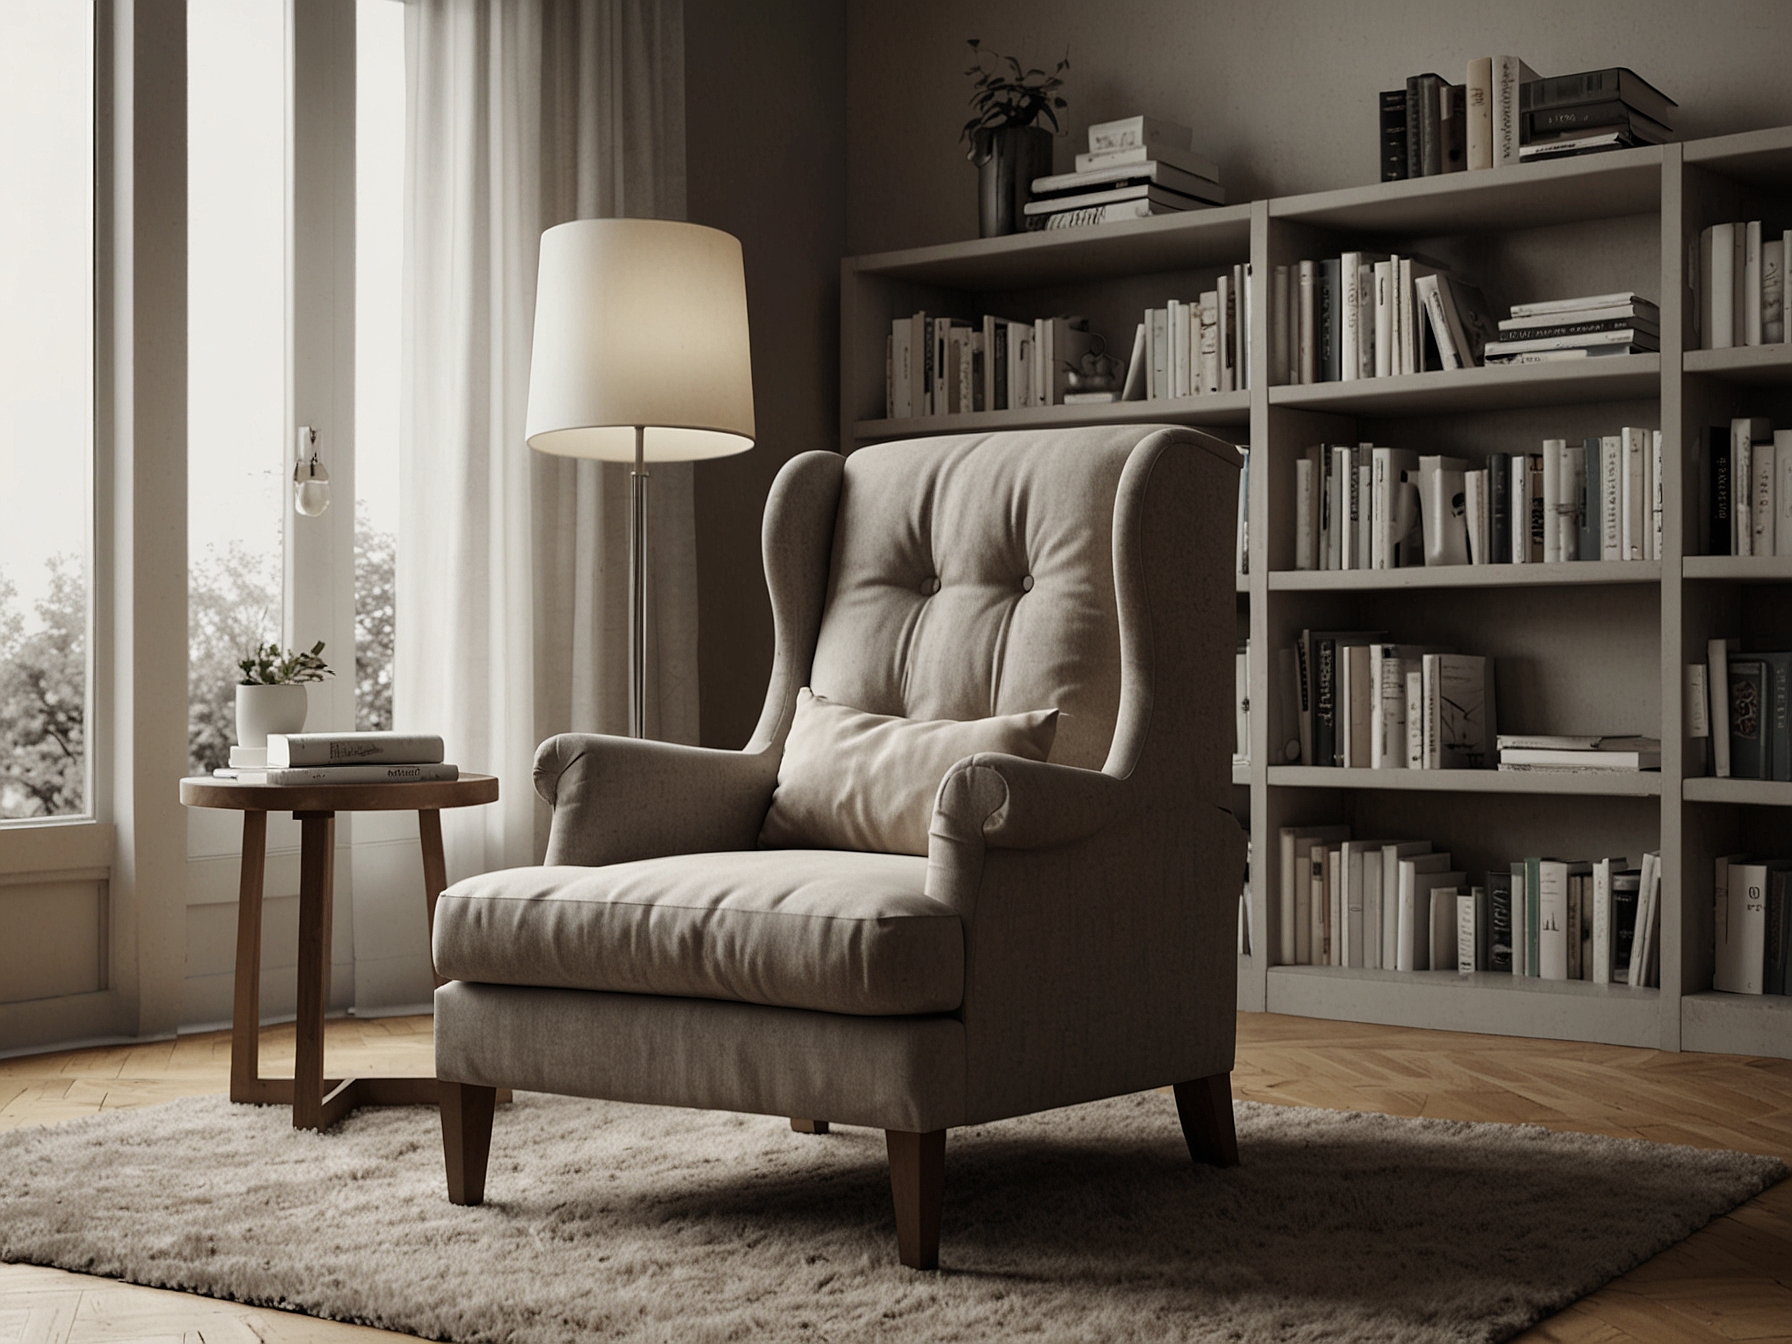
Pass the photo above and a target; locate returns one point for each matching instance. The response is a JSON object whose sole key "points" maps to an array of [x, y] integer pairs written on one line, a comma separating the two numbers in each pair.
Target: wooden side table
{"points": [[318, 1102]]}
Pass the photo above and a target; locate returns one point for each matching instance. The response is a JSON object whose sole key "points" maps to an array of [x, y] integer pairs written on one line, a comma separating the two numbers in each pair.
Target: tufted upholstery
{"points": [[971, 578]]}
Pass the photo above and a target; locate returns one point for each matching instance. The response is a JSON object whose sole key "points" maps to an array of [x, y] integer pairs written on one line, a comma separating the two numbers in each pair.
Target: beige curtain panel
{"points": [[513, 566]]}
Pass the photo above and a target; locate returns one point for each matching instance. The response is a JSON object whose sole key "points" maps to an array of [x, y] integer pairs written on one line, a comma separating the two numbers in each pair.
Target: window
{"points": [[46, 406]]}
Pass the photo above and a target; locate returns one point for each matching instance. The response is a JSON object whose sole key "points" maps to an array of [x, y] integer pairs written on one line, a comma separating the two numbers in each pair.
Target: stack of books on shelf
{"points": [[1432, 126], [1603, 755], [1363, 703], [1370, 507], [1740, 286], [950, 366], [1135, 168], [1742, 703], [1563, 329], [1405, 906], [1372, 315], [1590, 113], [1754, 926], [1190, 348], [346, 758], [1745, 489]]}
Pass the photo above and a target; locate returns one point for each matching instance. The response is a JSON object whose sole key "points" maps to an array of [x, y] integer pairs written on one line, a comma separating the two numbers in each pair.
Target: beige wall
{"points": [[1281, 92], [765, 153]]}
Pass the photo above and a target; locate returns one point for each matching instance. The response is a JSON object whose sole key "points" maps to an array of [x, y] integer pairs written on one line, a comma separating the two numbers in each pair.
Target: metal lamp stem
{"points": [[637, 591]]}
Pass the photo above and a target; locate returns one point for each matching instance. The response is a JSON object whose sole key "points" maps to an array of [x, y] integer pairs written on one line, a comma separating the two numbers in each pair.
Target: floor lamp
{"points": [[640, 356]]}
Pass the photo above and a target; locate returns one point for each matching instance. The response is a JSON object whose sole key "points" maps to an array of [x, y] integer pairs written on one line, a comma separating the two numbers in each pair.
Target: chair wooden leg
{"points": [[918, 1184], [1205, 1106], [809, 1126], [467, 1138]]}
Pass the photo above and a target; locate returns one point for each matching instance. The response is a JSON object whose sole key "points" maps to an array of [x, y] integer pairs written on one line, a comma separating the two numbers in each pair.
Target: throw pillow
{"points": [[852, 780]]}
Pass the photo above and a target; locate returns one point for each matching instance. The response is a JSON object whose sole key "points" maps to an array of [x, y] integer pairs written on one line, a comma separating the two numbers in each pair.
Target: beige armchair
{"points": [[1068, 934]]}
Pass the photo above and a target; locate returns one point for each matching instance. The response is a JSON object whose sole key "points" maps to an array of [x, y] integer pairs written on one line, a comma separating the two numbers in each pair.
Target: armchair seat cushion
{"points": [[828, 930]]}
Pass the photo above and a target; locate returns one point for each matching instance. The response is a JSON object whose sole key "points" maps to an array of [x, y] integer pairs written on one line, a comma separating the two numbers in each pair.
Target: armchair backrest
{"points": [[974, 575]]}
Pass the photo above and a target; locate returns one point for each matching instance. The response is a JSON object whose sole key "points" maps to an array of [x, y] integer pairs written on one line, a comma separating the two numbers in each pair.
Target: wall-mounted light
{"points": [[310, 482]]}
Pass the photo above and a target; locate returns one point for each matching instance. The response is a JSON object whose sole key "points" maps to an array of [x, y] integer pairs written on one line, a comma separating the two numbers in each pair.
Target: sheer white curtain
{"points": [[513, 566]]}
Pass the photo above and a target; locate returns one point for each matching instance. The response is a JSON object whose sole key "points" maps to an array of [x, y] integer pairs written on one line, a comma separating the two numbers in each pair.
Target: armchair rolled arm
{"points": [[1009, 802], [616, 799]]}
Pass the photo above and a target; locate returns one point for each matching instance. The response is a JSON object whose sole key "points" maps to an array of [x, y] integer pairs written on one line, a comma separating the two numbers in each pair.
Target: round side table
{"points": [[318, 1102]]}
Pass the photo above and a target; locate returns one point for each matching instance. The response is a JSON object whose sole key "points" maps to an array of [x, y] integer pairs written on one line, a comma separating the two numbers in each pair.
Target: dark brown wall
{"points": [[765, 157]]}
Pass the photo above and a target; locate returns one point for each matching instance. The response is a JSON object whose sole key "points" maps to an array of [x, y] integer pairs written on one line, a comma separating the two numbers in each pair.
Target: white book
{"points": [[1344, 464], [1475, 504], [1306, 337], [1405, 320], [1717, 654], [1720, 312], [1774, 255], [345, 774], [1751, 283], [1552, 920], [1174, 155], [1782, 494], [1519, 508], [1740, 932], [1372, 909], [1386, 272], [901, 366], [1303, 513], [1297, 843], [1739, 283], [1112, 137], [1458, 710], [1389, 924], [1611, 497], [1442, 924], [1657, 517], [1574, 500], [1508, 75], [1471, 909], [1636, 501], [1387, 468], [1363, 503], [1419, 876], [1602, 917], [1226, 325], [1555, 451], [1176, 361], [1020, 364], [1415, 718], [1134, 388], [1350, 315], [1208, 344], [1430, 300], [287, 750], [1521, 921], [1159, 342], [1278, 333], [1440, 492], [1353, 880], [1762, 507], [1745, 433], [1642, 943]]}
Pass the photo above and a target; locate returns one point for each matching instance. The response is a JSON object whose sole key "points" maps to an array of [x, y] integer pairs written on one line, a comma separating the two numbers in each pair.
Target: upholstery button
{"points": [[1026, 584], [930, 586]]}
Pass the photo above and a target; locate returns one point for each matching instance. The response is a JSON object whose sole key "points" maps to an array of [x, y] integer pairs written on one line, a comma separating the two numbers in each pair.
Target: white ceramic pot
{"points": [[261, 710]]}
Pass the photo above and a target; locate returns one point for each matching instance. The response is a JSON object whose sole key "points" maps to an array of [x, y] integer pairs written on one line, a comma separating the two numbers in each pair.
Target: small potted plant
{"points": [[271, 695], [1005, 138]]}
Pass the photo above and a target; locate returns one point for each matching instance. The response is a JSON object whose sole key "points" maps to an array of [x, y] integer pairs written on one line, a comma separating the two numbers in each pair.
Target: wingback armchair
{"points": [[1066, 935]]}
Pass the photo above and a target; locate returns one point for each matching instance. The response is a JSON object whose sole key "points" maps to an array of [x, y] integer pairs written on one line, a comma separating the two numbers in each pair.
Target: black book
{"points": [[1748, 719], [1325, 703], [1000, 336], [1590, 501], [1393, 135], [1716, 481], [1555, 121], [1582, 328], [1779, 934], [1431, 132], [1499, 508], [1327, 328], [1499, 919], [1618, 84], [1415, 102], [1626, 888], [1455, 128]]}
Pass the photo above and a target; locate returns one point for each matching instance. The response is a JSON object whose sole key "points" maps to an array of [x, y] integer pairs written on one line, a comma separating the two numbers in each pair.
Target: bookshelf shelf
{"points": [[1500, 387], [1610, 784], [1219, 410], [1603, 652], [1740, 568], [1465, 576], [1759, 792]]}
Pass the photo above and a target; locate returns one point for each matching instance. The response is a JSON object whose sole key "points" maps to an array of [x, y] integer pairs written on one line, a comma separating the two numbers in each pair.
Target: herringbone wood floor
{"points": [[1730, 1282]]}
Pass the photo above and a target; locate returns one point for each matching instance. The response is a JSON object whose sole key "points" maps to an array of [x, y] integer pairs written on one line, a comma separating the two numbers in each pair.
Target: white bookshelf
{"points": [[1594, 647]]}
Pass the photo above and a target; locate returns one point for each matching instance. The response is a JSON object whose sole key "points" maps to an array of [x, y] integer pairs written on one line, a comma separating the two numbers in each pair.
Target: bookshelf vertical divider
{"points": [[1582, 639]]}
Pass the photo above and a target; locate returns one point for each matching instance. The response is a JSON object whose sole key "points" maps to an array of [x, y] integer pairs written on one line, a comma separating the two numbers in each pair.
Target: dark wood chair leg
{"points": [[467, 1138], [1205, 1106], [918, 1184], [809, 1126]]}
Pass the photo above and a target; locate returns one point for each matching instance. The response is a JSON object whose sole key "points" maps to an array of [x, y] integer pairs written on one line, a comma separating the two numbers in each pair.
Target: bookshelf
{"points": [[1592, 646]]}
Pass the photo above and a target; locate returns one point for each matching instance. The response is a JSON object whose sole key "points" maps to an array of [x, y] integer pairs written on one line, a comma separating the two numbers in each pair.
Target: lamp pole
{"points": [[637, 590]]}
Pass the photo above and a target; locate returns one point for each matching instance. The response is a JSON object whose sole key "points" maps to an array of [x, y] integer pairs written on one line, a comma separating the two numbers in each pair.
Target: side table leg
{"points": [[435, 871], [317, 853], [245, 1012]]}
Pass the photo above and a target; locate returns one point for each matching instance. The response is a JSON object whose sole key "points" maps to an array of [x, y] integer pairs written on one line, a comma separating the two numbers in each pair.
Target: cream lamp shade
{"points": [[640, 323]]}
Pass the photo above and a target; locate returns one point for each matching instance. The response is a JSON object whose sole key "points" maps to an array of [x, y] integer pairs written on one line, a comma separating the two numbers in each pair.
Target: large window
{"points": [[46, 405]]}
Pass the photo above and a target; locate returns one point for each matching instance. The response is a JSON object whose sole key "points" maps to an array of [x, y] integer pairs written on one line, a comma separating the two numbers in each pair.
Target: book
{"points": [[1478, 128], [1775, 976], [1108, 137], [1547, 121], [1553, 933], [1603, 923], [1778, 715], [1294, 924], [1471, 931], [1441, 507], [1139, 191], [1748, 702], [1111, 213], [1441, 924], [1547, 307], [1618, 83], [1629, 336], [1458, 690], [1510, 75], [1184, 159], [1452, 131], [1626, 890], [344, 774], [1417, 877], [1393, 134], [1614, 138], [1717, 653], [1059, 186], [1499, 508], [1597, 758], [286, 750], [1499, 921]]}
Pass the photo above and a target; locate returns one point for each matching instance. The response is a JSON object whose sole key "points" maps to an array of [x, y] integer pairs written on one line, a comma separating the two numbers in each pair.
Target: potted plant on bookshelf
{"points": [[271, 695], [1006, 140]]}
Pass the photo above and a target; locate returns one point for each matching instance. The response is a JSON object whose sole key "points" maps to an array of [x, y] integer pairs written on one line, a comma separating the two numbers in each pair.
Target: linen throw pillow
{"points": [[852, 780]]}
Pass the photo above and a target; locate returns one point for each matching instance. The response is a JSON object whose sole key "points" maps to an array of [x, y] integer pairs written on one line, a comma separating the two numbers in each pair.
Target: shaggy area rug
{"points": [[606, 1221]]}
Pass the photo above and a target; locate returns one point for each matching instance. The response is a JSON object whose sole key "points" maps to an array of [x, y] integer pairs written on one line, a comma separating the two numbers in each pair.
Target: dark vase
{"points": [[1008, 159]]}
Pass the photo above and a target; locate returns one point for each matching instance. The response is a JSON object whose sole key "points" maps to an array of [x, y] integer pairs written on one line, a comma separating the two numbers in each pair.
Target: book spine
{"points": [[1742, 483], [1508, 78], [1521, 941], [1554, 450], [1431, 140], [1415, 716], [1499, 531], [1748, 699], [1533, 918], [1307, 336], [1385, 272], [1328, 359], [363, 774], [1499, 921], [1588, 547], [1393, 135], [1325, 717], [1761, 502], [1478, 133], [1602, 922], [1303, 513], [1415, 153], [289, 750], [1721, 331], [1751, 283]]}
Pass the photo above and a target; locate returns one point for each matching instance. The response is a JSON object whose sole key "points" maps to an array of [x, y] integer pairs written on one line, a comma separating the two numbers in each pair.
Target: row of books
{"points": [[1745, 489], [1741, 286], [1502, 115], [1370, 507], [1405, 906], [1753, 925], [1363, 703], [949, 366], [1742, 702], [1563, 329], [1135, 168], [343, 758], [1372, 315], [1191, 348]]}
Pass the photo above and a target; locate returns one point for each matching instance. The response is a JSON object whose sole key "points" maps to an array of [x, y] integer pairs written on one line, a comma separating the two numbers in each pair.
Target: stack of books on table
{"points": [[343, 758], [1740, 286], [1403, 905], [1603, 754], [1135, 168], [1558, 329], [1590, 113], [1754, 925]]}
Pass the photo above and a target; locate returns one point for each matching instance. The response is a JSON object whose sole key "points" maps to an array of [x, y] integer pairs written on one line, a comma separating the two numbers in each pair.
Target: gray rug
{"points": [[624, 1222]]}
